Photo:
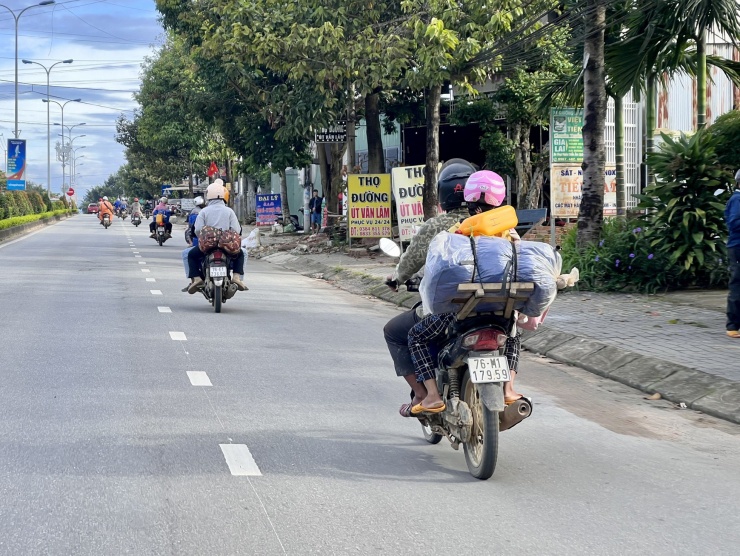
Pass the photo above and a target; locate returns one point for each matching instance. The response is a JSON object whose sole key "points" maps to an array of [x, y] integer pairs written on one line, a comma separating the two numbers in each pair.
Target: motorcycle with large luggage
{"points": [[220, 247]]}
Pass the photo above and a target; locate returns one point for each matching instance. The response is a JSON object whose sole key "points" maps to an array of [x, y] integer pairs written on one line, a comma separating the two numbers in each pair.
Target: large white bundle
{"points": [[450, 262]]}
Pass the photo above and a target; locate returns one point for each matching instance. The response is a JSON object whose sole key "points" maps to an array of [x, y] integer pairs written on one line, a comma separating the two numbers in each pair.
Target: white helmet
{"points": [[216, 190], [737, 177], [105, 198], [199, 201], [163, 200]]}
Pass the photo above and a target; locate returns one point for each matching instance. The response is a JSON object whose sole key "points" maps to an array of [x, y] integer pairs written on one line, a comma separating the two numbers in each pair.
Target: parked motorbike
{"points": [[136, 219], [471, 373], [106, 220], [217, 286]]}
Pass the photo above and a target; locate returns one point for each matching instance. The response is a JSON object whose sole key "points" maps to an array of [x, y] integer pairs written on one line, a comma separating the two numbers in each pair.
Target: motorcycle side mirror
{"points": [[389, 247]]}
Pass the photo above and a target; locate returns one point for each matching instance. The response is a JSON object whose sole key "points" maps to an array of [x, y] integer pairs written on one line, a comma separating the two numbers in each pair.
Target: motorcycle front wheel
{"points": [[481, 451]]}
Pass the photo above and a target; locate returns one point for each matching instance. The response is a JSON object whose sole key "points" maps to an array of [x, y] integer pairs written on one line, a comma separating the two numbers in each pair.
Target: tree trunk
{"points": [[701, 81], [337, 184], [284, 197], [351, 131], [324, 170], [375, 153], [650, 123], [433, 98], [523, 164], [591, 214], [190, 178], [619, 155]]}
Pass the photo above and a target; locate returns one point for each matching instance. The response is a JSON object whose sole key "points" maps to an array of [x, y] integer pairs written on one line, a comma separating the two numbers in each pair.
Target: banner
{"points": [[566, 182], [408, 190], [269, 209], [16, 164], [566, 135], [369, 205]]}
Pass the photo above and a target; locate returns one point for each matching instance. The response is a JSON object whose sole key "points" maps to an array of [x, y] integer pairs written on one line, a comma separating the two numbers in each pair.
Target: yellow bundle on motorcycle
{"points": [[494, 222], [160, 219]]}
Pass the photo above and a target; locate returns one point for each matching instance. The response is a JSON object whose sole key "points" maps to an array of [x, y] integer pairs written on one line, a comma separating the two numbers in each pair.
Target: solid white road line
{"points": [[199, 378], [156, 292], [151, 280], [178, 336], [240, 460], [164, 309]]}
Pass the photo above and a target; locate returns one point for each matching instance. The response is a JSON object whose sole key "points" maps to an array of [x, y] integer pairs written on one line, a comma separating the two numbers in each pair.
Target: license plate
{"points": [[218, 271], [488, 368]]}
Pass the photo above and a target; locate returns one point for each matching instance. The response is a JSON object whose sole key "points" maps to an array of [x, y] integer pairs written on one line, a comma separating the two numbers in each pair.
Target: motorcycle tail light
{"points": [[500, 339], [482, 340], [217, 255]]}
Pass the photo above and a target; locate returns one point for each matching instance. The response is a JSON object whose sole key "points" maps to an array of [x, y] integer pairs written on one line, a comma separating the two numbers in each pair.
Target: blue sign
{"points": [[269, 209], [16, 164]]}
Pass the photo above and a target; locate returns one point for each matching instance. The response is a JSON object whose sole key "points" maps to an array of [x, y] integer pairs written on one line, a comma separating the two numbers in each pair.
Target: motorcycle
{"points": [[160, 233], [471, 372], [106, 220], [218, 286], [136, 219], [147, 213], [123, 214]]}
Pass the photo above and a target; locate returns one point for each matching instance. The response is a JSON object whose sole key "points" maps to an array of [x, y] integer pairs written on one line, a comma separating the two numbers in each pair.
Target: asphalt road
{"points": [[296, 447]]}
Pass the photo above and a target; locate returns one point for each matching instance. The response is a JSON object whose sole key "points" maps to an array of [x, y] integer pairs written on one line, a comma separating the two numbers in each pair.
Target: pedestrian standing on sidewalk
{"points": [[314, 206], [732, 217]]}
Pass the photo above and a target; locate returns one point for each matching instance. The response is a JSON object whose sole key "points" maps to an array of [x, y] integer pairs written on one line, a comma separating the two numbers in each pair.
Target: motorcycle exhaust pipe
{"points": [[514, 413]]}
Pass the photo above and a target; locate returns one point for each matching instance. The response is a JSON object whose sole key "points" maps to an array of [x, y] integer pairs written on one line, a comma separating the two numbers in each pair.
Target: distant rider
{"points": [[217, 215], [136, 208], [105, 208], [162, 209]]}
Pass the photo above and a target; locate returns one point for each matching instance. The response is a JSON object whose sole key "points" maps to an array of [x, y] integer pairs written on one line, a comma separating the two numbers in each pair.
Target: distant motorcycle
{"points": [[147, 213], [123, 214], [160, 233], [106, 220], [136, 219]]}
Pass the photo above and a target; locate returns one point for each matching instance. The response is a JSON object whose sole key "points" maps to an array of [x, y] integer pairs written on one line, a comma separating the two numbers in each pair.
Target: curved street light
{"points": [[48, 120], [62, 105], [17, 17]]}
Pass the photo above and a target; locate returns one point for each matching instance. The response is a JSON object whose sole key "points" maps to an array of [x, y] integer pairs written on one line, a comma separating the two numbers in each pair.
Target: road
{"points": [[107, 447]]}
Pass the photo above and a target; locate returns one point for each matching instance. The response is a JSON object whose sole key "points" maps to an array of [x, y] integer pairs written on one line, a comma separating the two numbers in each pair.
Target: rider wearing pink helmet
{"points": [[484, 188]]}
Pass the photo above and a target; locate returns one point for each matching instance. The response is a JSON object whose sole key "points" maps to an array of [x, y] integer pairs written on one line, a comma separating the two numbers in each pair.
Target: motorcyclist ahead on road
{"points": [[161, 209], [104, 207]]}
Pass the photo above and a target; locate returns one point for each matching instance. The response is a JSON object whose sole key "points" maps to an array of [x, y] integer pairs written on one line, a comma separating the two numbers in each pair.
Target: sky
{"points": [[108, 40]]}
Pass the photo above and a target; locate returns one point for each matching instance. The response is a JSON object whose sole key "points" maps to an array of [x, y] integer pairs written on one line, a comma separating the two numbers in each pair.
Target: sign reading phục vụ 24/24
{"points": [[566, 183], [566, 135], [16, 164], [268, 208], [408, 190], [369, 205]]}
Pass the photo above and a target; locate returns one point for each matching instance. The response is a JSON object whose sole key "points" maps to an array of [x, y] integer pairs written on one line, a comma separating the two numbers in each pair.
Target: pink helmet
{"points": [[486, 187]]}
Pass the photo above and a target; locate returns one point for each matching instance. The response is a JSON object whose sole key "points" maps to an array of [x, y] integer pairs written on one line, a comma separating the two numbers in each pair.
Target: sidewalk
{"points": [[673, 344]]}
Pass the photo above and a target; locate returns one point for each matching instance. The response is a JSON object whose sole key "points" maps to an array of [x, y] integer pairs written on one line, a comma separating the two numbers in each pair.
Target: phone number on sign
{"points": [[371, 231]]}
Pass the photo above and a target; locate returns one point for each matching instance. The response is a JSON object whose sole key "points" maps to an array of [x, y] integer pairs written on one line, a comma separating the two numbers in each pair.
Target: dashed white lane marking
{"points": [[156, 292], [164, 309], [151, 280], [240, 460], [145, 270], [178, 336], [142, 262], [199, 378], [137, 256], [135, 252]]}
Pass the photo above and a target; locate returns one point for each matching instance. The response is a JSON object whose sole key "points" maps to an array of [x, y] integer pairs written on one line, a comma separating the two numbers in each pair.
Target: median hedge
{"points": [[20, 220]]}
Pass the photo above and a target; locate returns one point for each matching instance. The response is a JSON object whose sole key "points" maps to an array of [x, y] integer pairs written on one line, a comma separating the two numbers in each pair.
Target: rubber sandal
{"points": [[405, 410], [418, 409], [509, 401], [733, 333]]}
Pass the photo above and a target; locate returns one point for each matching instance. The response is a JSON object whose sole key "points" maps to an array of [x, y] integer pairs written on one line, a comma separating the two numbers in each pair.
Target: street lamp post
{"points": [[17, 17], [62, 105], [74, 160], [48, 120]]}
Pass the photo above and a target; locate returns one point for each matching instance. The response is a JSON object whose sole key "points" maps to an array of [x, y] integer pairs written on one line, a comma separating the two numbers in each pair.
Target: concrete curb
{"points": [[700, 391], [23, 229]]}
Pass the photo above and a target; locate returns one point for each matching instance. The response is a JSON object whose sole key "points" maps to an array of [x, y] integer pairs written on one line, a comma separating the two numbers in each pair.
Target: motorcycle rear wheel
{"points": [[481, 452], [217, 298]]}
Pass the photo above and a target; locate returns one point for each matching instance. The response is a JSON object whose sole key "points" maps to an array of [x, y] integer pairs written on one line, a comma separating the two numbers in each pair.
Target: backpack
{"points": [[208, 238], [230, 241]]}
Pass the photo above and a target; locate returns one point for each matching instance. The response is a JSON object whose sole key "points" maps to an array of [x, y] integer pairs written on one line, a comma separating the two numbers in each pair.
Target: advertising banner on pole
{"points": [[16, 164], [566, 181], [369, 205], [268, 208], [408, 190], [566, 135]]}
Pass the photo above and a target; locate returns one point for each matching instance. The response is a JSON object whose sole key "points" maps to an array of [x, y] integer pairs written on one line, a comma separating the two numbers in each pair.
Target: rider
{"points": [[104, 207], [483, 191], [148, 205], [136, 208], [191, 235], [123, 206], [117, 206], [450, 185], [162, 209], [217, 215]]}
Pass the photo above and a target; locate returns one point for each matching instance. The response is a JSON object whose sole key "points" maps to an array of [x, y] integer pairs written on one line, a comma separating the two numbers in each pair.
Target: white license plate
{"points": [[218, 271], [488, 368]]}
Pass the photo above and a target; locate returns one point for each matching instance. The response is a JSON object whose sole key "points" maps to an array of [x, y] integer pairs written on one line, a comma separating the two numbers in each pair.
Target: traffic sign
{"points": [[70, 191]]}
